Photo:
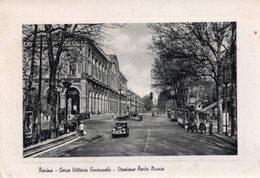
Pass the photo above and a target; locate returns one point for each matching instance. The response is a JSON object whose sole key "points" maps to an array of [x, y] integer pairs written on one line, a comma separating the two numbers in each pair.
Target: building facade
{"points": [[96, 84]]}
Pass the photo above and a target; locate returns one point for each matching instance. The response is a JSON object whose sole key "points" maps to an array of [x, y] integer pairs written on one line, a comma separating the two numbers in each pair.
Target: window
{"points": [[72, 68], [89, 52], [79, 67]]}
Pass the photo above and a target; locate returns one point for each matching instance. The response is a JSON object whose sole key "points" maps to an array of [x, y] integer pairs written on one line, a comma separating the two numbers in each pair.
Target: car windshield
{"points": [[120, 124]]}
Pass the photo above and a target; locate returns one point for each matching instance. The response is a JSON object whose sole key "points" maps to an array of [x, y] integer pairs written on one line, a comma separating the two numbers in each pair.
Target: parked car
{"points": [[120, 129], [83, 116], [138, 118]]}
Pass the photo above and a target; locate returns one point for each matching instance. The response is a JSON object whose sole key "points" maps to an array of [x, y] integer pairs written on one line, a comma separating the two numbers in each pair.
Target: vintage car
{"points": [[138, 118], [120, 129]]}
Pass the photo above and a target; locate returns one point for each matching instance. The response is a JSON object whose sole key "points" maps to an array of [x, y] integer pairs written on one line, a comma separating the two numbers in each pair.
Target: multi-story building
{"points": [[96, 84]]}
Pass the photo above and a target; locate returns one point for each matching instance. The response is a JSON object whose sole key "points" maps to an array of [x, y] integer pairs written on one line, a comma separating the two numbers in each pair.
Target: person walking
{"points": [[202, 127], [81, 129], [210, 128]]}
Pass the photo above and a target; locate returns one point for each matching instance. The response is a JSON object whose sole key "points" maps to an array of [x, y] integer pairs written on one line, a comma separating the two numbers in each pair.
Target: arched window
{"points": [[93, 67], [72, 101]]}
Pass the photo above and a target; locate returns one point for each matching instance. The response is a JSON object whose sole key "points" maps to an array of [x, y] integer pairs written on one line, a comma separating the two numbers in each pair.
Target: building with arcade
{"points": [[94, 82]]}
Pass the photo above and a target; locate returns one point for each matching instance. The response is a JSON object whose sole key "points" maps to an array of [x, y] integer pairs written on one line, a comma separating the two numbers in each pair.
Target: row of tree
{"points": [[148, 102], [192, 54]]}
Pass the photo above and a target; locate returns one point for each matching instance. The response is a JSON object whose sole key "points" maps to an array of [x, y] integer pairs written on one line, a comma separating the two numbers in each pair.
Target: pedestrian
{"points": [[202, 127], [196, 127], [81, 129], [191, 126], [210, 128], [78, 120]]}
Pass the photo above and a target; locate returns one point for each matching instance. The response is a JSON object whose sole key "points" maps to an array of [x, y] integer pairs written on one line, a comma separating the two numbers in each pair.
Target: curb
{"points": [[57, 139], [89, 140], [33, 151], [234, 144], [51, 144]]}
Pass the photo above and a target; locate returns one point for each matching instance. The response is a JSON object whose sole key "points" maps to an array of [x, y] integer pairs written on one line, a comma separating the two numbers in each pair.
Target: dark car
{"points": [[120, 129]]}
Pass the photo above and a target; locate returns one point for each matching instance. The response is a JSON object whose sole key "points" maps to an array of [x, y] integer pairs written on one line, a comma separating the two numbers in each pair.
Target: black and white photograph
{"points": [[129, 89]]}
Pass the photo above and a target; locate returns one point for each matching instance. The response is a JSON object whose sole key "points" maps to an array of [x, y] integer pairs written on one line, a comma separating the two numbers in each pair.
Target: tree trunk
{"points": [[32, 59], [219, 83], [39, 91], [219, 108], [53, 63], [176, 96], [182, 94], [52, 93], [233, 109], [52, 99], [27, 93], [233, 97]]}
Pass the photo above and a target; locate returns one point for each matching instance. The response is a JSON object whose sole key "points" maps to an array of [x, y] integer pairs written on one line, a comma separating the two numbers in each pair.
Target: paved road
{"points": [[154, 136]]}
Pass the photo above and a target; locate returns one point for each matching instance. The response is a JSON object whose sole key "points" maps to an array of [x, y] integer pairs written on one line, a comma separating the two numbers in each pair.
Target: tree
{"points": [[29, 72], [188, 51], [148, 103], [151, 95], [163, 97], [55, 38]]}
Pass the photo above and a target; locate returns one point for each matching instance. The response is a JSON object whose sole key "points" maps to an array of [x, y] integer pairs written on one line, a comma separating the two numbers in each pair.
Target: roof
{"points": [[209, 107], [111, 56], [212, 105], [123, 76]]}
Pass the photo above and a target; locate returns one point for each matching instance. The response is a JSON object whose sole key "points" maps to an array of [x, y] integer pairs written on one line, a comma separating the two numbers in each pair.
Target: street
{"points": [[154, 136]]}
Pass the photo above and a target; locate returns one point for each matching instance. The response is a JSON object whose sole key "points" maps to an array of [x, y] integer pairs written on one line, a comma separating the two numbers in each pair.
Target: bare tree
{"points": [[193, 50], [55, 37]]}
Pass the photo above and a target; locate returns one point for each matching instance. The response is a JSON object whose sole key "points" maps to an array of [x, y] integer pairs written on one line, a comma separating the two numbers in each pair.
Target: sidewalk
{"points": [[223, 137], [51, 143], [231, 140], [103, 116], [33, 149], [228, 139]]}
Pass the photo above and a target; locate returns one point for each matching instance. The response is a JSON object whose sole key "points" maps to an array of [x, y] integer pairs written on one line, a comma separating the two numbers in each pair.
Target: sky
{"points": [[130, 46]]}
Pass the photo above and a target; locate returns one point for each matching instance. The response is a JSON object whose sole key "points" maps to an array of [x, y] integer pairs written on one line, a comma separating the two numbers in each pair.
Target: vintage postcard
{"points": [[162, 93]]}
